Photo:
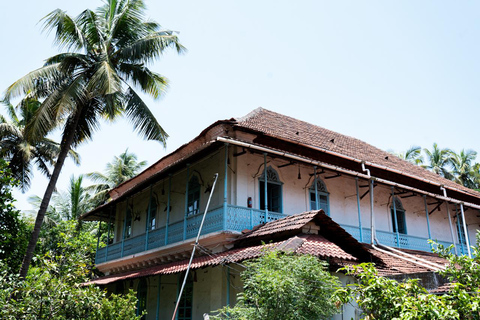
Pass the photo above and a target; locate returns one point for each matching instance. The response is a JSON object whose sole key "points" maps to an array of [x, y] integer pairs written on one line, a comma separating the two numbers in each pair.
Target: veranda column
{"points": [[426, 214]]}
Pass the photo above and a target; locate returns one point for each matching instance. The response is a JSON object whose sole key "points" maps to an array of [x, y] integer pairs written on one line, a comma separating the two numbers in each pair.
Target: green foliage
{"points": [[459, 167], [14, 230], [284, 286], [120, 169], [53, 287], [21, 149], [63, 240], [464, 274], [383, 298], [51, 292]]}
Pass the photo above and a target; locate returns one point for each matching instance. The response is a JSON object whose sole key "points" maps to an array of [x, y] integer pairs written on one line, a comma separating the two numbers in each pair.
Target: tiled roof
{"points": [[304, 244], [293, 222], [291, 129], [395, 266]]}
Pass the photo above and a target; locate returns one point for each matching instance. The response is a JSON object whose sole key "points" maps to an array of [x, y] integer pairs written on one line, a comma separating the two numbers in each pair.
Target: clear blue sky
{"points": [[391, 73]]}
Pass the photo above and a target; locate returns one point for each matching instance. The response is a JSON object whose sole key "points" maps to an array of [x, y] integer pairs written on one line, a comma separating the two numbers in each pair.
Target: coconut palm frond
{"points": [[142, 119]]}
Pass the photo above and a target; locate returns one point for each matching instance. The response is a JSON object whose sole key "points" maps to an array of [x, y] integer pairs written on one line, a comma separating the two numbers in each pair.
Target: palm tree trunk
{"points": [[65, 145]]}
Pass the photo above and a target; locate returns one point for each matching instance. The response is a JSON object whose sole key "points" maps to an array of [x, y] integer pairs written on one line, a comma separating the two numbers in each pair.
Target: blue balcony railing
{"points": [[236, 219], [390, 239]]}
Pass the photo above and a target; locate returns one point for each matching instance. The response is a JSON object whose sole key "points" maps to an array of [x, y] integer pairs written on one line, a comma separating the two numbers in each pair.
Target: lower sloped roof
{"points": [[303, 244]]}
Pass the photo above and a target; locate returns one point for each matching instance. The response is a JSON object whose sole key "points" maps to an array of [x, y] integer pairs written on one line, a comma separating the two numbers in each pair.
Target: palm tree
{"points": [[413, 155], [439, 161], [106, 54], [18, 147], [73, 202], [463, 168], [122, 168]]}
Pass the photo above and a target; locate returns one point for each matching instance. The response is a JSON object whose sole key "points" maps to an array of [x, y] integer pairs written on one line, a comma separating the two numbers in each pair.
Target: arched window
{"points": [[274, 191], [322, 197], [193, 197], [401, 222], [142, 291], [127, 231], [151, 224]]}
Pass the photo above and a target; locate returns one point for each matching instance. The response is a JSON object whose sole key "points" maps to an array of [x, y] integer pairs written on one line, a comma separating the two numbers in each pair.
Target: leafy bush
{"points": [[383, 298], [53, 287], [284, 286]]}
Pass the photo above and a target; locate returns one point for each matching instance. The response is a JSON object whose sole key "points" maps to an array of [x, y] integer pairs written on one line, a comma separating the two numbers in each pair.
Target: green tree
{"points": [[284, 286], [464, 168], [106, 55], [73, 202], [21, 149], [122, 168], [383, 298], [439, 161], [13, 229], [413, 155], [53, 288]]}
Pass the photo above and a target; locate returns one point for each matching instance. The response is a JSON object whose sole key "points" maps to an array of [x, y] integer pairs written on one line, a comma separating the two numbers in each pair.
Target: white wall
{"points": [[343, 199]]}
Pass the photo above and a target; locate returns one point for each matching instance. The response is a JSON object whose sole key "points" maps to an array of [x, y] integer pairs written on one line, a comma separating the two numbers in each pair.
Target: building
{"points": [[271, 167]]}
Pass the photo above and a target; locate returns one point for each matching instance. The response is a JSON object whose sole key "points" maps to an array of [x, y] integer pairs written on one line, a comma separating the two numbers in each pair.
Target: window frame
{"points": [[142, 297], [273, 184], [401, 217], [152, 217], [193, 196], [128, 225], [184, 299], [321, 191]]}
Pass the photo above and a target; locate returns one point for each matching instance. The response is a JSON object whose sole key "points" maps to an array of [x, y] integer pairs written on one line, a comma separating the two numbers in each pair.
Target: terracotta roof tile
{"points": [[293, 222], [394, 266], [288, 128], [310, 244]]}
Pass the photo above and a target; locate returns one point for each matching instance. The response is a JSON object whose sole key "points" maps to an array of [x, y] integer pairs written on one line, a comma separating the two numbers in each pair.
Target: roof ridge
{"points": [[250, 114]]}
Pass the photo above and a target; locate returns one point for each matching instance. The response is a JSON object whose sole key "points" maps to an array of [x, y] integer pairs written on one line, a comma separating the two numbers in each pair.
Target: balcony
{"points": [[236, 219], [404, 241]]}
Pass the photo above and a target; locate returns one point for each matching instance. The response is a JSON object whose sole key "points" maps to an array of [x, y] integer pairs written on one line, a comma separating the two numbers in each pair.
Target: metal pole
{"points": [[359, 213], [186, 205], [265, 186], [168, 208], [372, 218], [451, 228], [194, 248], [316, 188], [147, 226], [225, 185], [467, 241], [395, 217], [428, 220]]}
